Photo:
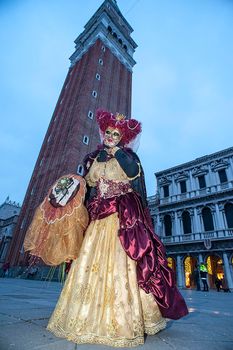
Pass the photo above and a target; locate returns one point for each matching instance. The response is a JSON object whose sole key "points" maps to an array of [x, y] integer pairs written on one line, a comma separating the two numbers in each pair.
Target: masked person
{"points": [[120, 286]]}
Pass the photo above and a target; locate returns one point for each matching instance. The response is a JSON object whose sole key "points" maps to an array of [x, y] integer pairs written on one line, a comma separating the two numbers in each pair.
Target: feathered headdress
{"points": [[129, 128]]}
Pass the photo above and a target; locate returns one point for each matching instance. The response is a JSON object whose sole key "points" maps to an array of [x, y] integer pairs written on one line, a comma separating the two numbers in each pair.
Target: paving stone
{"points": [[26, 305]]}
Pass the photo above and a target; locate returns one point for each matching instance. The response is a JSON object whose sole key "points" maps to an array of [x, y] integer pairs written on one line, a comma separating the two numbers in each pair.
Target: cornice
{"points": [[89, 39], [195, 162], [105, 8]]}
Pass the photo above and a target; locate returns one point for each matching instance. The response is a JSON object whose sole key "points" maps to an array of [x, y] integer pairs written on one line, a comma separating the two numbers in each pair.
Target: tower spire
{"points": [[100, 76]]}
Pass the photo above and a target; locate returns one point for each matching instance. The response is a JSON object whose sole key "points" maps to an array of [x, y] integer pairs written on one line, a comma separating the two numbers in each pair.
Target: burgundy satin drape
{"points": [[143, 245]]}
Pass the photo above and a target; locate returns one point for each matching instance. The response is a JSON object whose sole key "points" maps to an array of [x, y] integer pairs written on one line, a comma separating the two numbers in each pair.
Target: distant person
{"points": [[196, 276], [204, 275], [5, 269], [218, 284], [225, 285]]}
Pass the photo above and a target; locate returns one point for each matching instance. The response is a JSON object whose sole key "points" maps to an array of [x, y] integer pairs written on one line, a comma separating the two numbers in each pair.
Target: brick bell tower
{"points": [[100, 76]]}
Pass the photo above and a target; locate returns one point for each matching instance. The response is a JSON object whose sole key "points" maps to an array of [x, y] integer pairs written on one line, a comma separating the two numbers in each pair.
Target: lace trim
{"points": [[94, 339], [115, 342], [156, 328]]}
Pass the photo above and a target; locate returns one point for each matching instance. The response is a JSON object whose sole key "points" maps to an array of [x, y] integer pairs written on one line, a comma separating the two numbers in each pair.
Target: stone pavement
{"points": [[25, 307]]}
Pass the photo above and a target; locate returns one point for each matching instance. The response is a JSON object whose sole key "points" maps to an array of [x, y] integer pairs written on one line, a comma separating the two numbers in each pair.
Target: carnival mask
{"points": [[112, 137]]}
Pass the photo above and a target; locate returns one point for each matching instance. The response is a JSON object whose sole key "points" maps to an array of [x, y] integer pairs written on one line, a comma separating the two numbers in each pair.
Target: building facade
{"points": [[9, 213], [193, 215], [99, 76]]}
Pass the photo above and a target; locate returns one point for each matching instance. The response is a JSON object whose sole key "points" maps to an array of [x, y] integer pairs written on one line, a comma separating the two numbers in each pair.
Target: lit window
{"points": [[85, 139], [80, 169], [97, 76], [101, 61], [94, 93], [90, 114]]}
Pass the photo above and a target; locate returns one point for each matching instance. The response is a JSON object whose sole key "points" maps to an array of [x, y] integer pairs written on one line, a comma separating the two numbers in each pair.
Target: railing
{"points": [[192, 237], [196, 193]]}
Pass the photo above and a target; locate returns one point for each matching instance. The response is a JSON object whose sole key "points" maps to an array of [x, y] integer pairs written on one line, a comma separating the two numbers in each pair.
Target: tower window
{"points": [[80, 169], [201, 180], [103, 48], [166, 191], [49, 138], [222, 175], [61, 101], [97, 76], [85, 139], [94, 93], [90, 114], [101, 62], [41, 162], [183, 187]]}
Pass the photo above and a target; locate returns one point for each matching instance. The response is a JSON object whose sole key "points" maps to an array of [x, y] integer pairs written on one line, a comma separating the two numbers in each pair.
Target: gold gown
{"points": [[101, 302]]}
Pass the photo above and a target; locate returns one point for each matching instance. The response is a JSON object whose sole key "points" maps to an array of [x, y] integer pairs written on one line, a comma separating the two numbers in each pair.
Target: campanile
{"points": [[99, 76]]}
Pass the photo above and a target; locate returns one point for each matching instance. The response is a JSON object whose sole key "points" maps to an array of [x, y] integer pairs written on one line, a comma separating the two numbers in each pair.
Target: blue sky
{"points": [[182, 83]]}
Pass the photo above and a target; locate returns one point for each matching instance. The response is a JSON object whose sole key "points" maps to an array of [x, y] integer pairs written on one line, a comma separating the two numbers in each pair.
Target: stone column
{"points": [[230, 169], [180, 223], [200, 258], [227, 271], [211, 176], [196, 221], [191, 212], [173, 188], [176, 226], [199, 220], [219, 217], [223, 215], [179, 272], [162, 226], [192, 186], [213, 212], [159, 226]]}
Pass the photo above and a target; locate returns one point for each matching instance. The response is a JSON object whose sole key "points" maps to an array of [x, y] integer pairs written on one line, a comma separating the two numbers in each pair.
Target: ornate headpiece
{"points": [[129, 128]]}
